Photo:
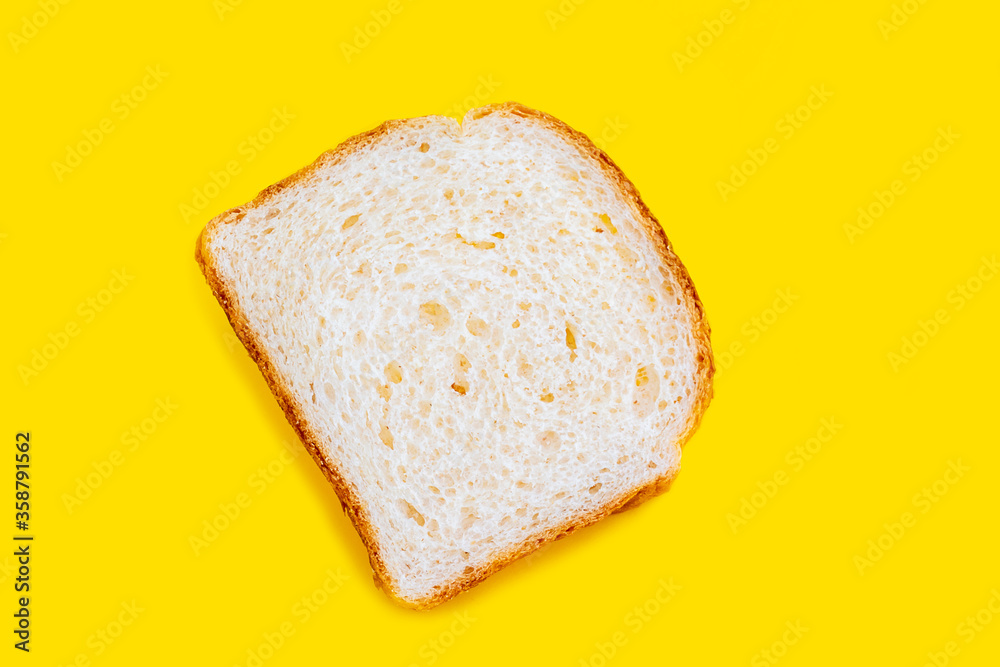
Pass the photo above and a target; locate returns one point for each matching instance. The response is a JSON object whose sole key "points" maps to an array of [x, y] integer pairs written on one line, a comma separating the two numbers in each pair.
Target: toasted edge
{"points": [[351, 503]]}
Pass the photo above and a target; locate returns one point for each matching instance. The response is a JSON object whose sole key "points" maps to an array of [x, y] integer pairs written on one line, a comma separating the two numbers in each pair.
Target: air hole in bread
{"points": [[424, 147], [606, 221], [460, 387], [524, 367], [647, 383], [499, 235], [571, 341], [476, 326], [547, 398], [401, 268], [627, 255], [394, 372], [350, 222], [412, 513], [595, 488], [436, 315], [548, 440], [386, 436]]}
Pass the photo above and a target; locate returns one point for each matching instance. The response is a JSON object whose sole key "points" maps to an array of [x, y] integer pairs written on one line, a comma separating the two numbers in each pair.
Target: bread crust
{"points": [[352, 504]]}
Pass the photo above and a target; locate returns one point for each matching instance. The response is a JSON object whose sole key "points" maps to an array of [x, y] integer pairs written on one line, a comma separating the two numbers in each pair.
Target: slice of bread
{"points": [[479, 331]]}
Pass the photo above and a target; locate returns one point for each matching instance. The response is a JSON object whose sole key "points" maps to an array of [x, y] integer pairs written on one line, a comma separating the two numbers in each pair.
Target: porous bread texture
{"points": [[479, 331]]}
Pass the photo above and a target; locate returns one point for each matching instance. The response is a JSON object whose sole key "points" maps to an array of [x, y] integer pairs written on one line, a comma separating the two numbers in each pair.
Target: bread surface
{"points": [[479, 331]]}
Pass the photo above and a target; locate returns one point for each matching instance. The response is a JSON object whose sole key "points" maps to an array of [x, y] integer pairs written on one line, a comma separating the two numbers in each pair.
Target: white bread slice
{"points": [[479, 331]]}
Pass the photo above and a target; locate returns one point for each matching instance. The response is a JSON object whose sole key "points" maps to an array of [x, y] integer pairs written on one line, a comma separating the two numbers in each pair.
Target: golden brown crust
{"points": [[348, 498]]}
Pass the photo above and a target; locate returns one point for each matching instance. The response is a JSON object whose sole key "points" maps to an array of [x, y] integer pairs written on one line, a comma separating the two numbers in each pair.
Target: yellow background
{"points": [[677, 131]]}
